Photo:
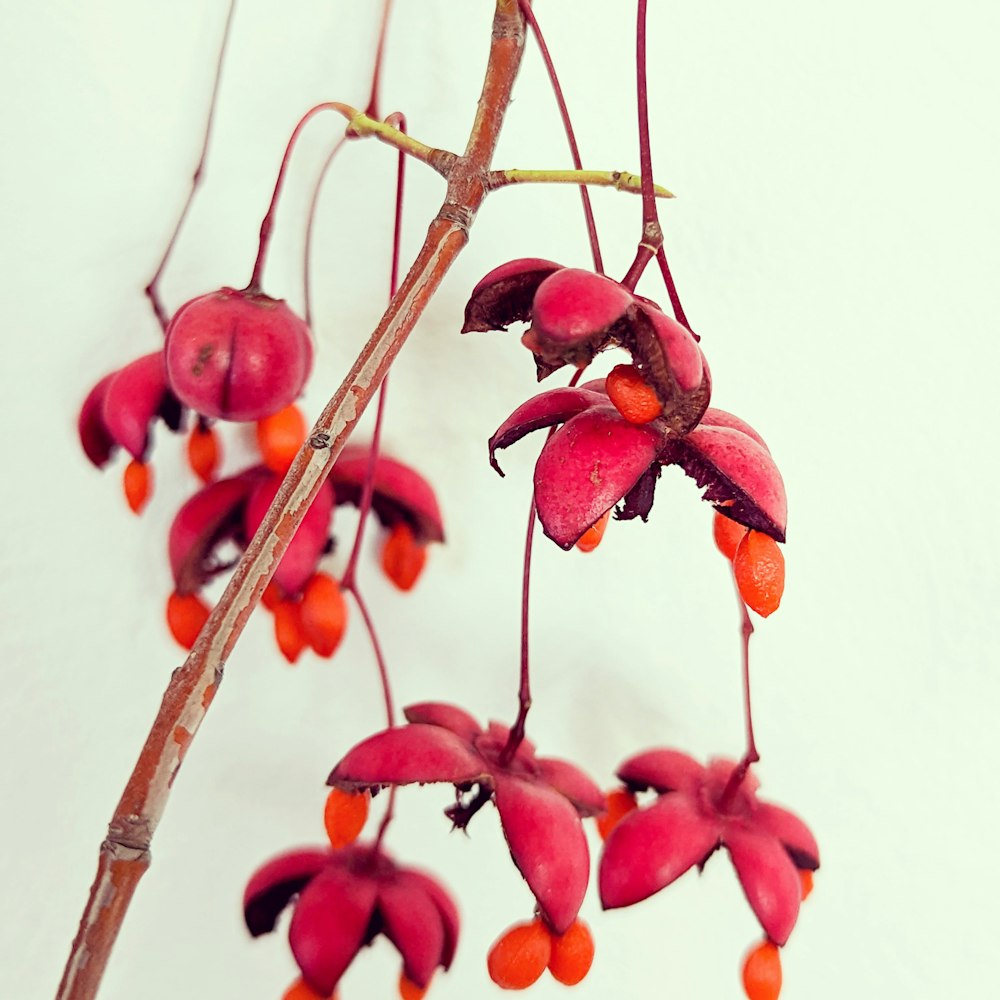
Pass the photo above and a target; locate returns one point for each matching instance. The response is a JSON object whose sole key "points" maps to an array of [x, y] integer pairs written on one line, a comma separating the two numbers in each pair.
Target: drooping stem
{"points": [[588, 211], [153, 288], [373, 102], [675, 299], [124, 855], [750, 755]]}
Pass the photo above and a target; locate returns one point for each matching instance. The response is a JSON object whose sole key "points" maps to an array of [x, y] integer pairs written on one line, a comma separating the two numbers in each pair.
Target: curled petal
{"points": [[504, 296], [544, 410], [548, 845], [273, 885], [741, 478], [412, 921], [567, 779], [331, 922], [587, 466], [309, 541], [663, 770], [407, 754], [652, 847], [446, 910], [769, 879], [97, 443], [211, 516], [134, 397], [449, 716], [796, 837], [400, 492]]}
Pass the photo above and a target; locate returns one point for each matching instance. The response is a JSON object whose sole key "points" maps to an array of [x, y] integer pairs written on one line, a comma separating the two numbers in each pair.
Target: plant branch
{"points": [[620, 180], [362, 125], [124, 855]]}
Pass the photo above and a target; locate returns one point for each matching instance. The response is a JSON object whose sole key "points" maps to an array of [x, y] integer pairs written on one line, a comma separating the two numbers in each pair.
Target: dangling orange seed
{"points": [[186, 614], [572, 954], [409, 990], [618, 803], [519, 956], [288, 630], [728, 535], [806, 878], [633, 396], [271, 597], [280, 436], [323, 614], [591, 538], [344, 816], [203, 452], [300, 991], [137, 481], [403, 557], [760, 572], [762, 972]]}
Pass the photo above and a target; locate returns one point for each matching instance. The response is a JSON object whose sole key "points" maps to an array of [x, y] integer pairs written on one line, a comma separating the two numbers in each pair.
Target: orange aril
{"points": [[137, 482], [203, 452], [759, 567], [409, 990], [280, 436], [323, 614], [403, 557], [186, 614], [806, 878], [727, 534], [762, 972], [288, 629], [271, 597], [519, 956], [633, 396], [591, 538], [300, 991], [618, 803], [344, 816], [572, 954]]}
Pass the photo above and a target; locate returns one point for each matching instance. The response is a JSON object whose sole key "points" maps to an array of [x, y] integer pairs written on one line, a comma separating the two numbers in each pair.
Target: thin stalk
{"points": [[588, 211], [620, 180], [153, 288], [124, 855], [373, 102]]}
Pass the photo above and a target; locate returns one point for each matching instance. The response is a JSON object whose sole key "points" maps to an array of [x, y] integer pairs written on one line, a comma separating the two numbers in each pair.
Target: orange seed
{"points": [[344, 816], [300, 991], [186, 614], [203, 452], [727, 534], [633, 396], [137, 481], [288, 629], [280, 436], [591, 538], [403, 557], [519, 956], [806, 878], [409, 990], [762, 972], [323, 614], [572, 954], [619, 802], [760, 572]]}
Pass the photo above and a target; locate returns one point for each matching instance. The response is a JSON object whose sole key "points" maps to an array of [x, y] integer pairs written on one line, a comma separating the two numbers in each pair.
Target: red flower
{"points": [[347, 898], [598, 459], [700, 809], [540, 800]]}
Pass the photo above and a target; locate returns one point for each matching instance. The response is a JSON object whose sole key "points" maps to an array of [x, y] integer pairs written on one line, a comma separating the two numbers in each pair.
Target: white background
{"points": [[834, 240]]}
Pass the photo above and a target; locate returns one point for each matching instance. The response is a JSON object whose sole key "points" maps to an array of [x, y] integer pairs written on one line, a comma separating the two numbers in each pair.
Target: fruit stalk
{"points": [[124, 855]]}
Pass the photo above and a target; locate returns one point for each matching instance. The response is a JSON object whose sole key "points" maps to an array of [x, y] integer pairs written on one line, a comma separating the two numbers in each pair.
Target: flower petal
{"points": [[548, 845], [587, 466], [652, 847], [400, 492], [504, 296], [135, 395], [567, 779], [407, 754], [272, 886], [796, 837], [743, 481], [664, 770], [544, 410], [330, 924], [769, 879], [412, 922], [309, 541], [460, 722]]}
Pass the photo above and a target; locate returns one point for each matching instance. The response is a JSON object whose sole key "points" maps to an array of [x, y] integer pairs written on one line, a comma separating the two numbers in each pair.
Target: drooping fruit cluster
{"points": [[523, 952]]}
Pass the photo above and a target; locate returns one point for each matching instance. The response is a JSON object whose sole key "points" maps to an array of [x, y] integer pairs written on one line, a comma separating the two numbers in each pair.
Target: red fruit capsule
{"points": [[727, 534], [186, 614], [203, 452], [632, 395], [619, 802], [344, 816], [323, 614], [520, 955], [137, 482], [759, 568], [403, 557], [762, 972], [572, 954], [280, 436], [591, 538], [288, 630]]}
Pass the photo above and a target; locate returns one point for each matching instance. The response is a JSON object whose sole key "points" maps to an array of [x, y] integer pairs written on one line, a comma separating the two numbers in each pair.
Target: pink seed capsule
{"points": [[237, 355]]}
